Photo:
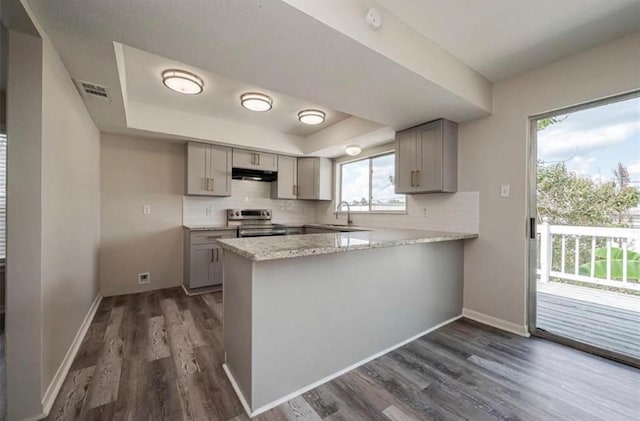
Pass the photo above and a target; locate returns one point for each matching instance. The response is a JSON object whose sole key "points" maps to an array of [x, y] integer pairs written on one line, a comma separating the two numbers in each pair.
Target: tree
{"points": [[622, 175], [543, 123], [568, 198]]}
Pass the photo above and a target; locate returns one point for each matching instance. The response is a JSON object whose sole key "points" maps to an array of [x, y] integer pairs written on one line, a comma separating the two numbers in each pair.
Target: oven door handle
{"points": [[250, 233]]}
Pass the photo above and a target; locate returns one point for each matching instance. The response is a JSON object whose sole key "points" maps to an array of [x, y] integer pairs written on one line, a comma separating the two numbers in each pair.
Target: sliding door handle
{"points": [[532, 228]]}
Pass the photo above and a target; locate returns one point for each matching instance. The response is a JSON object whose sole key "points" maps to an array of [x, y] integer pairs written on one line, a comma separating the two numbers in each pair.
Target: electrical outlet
{"points": [[146, 210], [425, 213], [144, 278], [504, 191]]}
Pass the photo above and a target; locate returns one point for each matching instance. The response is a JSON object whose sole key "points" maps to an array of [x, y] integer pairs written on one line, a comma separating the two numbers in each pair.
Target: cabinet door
{"points": [[406, 161], [267, 161], [243, 158], [217, 266], [429, 176], [307, 178], [287, 177], [220, 170], [200, 265], [197, 168]]}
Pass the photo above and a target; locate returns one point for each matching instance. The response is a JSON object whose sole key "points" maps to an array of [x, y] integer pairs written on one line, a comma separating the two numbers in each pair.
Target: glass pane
{"points": [[355, 185], [383, 193]]}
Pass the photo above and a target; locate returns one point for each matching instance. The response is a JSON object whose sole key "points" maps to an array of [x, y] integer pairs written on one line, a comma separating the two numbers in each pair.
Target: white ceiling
{"points": [[500, 38], [396, 77], [263, 43], [220, 98]]}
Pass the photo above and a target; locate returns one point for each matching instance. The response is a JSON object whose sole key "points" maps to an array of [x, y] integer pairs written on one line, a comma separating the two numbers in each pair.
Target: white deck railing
{"points": [[571, 238]]}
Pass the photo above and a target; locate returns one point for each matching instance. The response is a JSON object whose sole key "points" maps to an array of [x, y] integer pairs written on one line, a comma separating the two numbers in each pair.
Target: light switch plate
{"points": [[146, 210], [504, 190]]}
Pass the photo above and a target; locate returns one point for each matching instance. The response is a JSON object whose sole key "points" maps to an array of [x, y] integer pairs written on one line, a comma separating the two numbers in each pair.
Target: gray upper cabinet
{"points": [[252, 160], [208, 170], [427, 158], [286, 187], [315, 178]]}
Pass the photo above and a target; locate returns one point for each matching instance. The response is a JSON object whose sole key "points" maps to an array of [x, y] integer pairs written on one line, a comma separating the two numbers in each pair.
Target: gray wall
{"points": [[24, 235], [494, 151], [53, 219], [138, 171]]}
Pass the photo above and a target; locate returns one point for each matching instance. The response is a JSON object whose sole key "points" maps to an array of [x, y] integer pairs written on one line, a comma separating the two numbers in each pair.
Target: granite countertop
{"points": [[208, 227], [283, 247]]}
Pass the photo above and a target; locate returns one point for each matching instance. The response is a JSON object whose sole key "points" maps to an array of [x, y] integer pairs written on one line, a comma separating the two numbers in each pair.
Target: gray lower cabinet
{"points": [[427, 158], [203, 262]]}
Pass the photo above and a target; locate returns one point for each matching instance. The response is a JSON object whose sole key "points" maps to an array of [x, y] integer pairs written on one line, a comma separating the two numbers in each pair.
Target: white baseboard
{"points": [[520, 330], [320, 382], [56, 384], [235, 386]]}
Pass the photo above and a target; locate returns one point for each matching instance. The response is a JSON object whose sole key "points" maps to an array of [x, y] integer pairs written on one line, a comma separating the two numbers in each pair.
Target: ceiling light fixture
{"points": [[255, 101], [182, 82], [311, 117], [353, 150]]}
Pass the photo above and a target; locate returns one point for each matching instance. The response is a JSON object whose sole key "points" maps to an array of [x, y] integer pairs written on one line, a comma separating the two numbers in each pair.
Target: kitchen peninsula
{"points": [[299, 310]]}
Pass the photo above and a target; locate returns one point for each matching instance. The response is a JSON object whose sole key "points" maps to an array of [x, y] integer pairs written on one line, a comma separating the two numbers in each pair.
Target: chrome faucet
{"points": [[349, 221]]}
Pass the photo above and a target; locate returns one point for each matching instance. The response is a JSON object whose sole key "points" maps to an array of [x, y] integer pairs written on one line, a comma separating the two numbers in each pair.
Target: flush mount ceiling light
{"points": [[311, 117], [353, 150], [182, 82], [255, 101]]}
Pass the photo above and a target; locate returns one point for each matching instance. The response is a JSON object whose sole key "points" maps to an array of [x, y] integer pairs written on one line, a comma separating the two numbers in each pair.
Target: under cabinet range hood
{"points": [[253, 175]]}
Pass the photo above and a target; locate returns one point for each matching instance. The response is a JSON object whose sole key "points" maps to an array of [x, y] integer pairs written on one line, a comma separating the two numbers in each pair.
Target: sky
{"points": [[356, 180], [593, 141]]}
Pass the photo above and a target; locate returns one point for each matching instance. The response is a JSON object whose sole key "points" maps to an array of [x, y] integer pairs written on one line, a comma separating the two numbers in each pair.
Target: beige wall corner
{"points": [[139, 171], [494, 150]]}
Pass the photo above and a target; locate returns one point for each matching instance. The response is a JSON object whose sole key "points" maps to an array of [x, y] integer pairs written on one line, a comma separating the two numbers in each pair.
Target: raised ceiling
{"points": [[268, 44], [500, 38], [427, 61], [220, 98]]}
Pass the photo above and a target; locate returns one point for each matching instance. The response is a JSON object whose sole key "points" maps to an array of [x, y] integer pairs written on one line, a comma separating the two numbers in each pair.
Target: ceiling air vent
{"points": [[89, 89]]}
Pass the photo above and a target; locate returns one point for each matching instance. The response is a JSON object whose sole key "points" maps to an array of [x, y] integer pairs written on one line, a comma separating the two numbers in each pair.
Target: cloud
{"points": [[562, 144]]}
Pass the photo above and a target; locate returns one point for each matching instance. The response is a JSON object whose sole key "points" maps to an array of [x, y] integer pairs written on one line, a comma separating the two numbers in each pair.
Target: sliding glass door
{"points": [[585, 227]]}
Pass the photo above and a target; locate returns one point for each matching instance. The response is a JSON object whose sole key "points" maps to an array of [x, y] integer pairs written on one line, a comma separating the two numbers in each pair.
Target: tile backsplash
{"points": [[198, 210], [458, 212]]}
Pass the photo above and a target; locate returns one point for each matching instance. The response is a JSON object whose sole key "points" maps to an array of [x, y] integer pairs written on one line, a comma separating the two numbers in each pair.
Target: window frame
{"points": [[369, 158]]}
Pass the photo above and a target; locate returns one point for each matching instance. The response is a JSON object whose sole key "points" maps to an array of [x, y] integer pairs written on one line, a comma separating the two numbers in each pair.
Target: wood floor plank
{"points": [[104, 388], [299, 409], [158, 346], [158, 356], [73, 393], [194, 333], [179, 342], [395, 414]]}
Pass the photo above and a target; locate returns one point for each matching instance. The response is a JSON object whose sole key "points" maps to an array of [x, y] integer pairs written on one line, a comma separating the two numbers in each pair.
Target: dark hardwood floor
{"points": [[157, 356]]}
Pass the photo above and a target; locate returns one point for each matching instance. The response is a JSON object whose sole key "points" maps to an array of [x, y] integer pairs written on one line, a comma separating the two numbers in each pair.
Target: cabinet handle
{"points": [[213, 184], [293, 189], [253, 158], [258, 155], [412, 178], [212, 256], [418, 178]]}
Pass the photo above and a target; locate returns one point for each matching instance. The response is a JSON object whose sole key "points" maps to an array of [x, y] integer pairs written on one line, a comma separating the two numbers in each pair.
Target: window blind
{"points": [[3, 195]]}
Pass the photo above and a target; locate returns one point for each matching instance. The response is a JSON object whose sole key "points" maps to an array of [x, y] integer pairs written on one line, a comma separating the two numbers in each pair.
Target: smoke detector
{"points": [[93, 90], [373, 18]]}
